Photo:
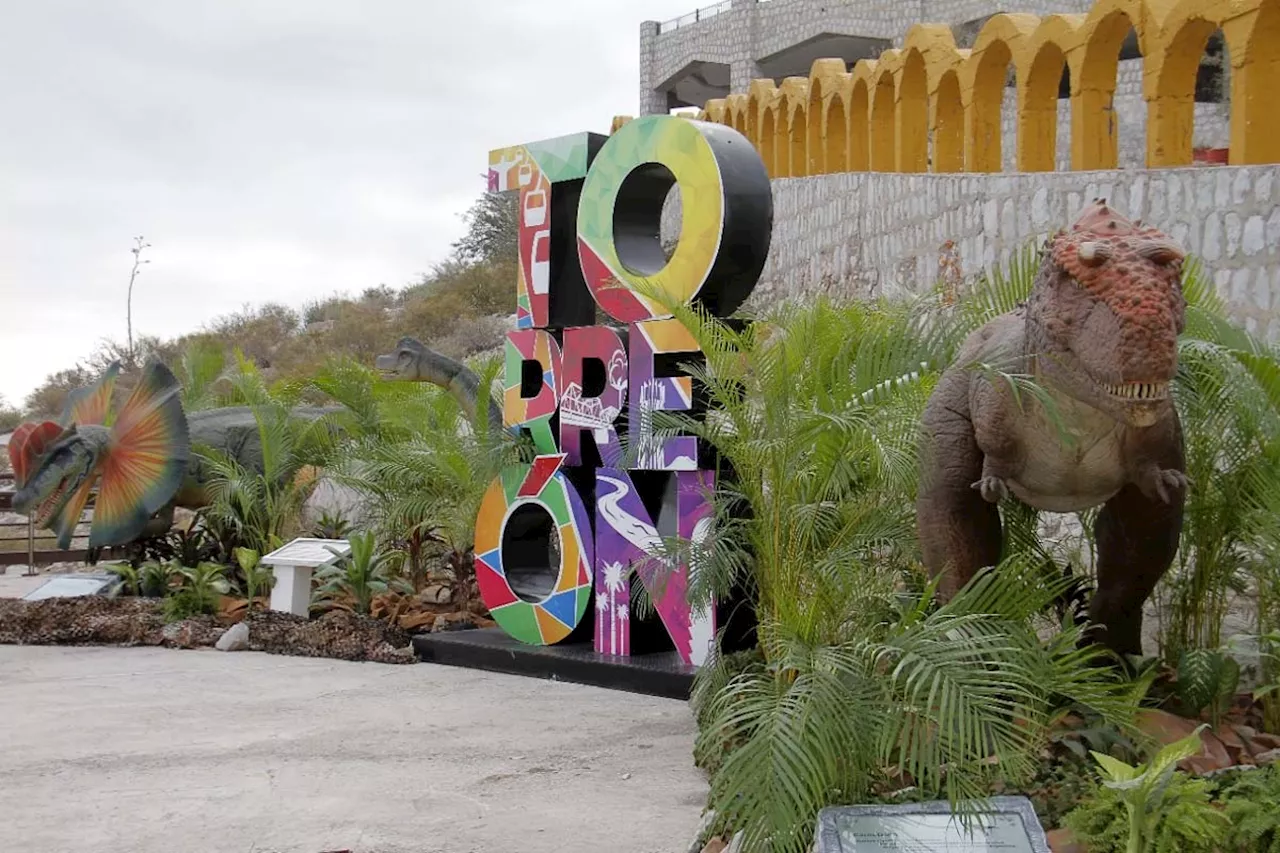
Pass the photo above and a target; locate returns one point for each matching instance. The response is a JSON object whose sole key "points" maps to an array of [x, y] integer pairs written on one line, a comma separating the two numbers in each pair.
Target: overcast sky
{"points": [[268, 149]]}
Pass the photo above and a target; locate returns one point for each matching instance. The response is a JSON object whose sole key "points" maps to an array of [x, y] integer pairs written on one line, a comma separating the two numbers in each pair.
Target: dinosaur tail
{"points": [[145, 461]]}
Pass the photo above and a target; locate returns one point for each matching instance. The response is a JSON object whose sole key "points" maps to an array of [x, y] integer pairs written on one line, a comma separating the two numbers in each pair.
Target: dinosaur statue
{"points": [[57, 463], [136, 458], [413, 361], [1099, 334]]}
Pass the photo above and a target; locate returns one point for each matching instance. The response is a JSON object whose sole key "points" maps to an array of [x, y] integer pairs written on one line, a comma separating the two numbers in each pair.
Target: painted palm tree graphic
{"points": [[607, 605]]}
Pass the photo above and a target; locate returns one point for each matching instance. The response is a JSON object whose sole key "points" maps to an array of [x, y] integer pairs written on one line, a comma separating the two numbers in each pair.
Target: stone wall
{"points": [[870, 234]]}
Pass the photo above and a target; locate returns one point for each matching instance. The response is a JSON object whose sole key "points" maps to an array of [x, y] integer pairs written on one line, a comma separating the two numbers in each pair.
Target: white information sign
{"points": [[71, 586], [292, 566]]}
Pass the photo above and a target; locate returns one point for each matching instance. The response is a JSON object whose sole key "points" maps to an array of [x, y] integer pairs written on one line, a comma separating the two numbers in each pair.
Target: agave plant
{"points": [[359, 577]]}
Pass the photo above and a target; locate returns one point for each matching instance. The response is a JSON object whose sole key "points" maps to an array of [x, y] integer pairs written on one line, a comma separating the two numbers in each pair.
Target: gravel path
{"points": [[154, 750]]}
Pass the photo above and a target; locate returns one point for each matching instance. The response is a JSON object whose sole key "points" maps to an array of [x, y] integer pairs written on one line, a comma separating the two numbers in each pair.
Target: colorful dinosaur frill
{"points": [[136, 458]]}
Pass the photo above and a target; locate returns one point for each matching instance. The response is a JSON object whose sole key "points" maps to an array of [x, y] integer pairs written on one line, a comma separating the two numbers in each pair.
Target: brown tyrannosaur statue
{"points": [[1099, 334]]}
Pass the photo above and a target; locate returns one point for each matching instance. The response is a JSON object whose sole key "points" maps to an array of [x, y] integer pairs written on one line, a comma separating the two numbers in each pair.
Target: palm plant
{"points": [[262, 509], [200, 368], [815, 414], [1228, 393], [425, 470], [359, 577]]}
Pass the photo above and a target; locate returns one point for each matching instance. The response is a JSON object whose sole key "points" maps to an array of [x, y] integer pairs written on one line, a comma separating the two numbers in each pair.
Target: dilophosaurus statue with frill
{"points": [[139, 460], [1098, 334]]}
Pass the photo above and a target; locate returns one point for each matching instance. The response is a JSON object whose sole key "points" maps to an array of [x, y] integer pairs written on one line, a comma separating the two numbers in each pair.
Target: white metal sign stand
{"points": [[293, 566]]}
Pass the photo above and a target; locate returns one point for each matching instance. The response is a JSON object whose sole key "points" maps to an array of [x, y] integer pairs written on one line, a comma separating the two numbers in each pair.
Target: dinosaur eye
{"points": [[1161, 252], [1093, 254]]}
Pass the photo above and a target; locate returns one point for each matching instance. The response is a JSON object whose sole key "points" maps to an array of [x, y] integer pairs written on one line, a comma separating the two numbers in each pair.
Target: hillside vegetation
{"points": [[462, 307]]}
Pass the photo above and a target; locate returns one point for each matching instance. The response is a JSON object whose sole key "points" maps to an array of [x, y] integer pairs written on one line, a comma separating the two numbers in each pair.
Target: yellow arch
{"points": [[760, 94], [1253, 39], [1094, 137], [911, 127], [792, 129], [943, 63], [827, 143], [860, 115], [982, 82], [736, 110], [882, 123], [715, 111], [946, 117], [618, 122], [1045, 53]]}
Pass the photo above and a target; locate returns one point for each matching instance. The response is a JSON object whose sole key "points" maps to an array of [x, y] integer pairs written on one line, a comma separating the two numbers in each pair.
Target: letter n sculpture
{"points": [[558, 540]]}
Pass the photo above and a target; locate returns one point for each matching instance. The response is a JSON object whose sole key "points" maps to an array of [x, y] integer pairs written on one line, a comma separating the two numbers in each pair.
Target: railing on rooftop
{"points": [[694, 16]]}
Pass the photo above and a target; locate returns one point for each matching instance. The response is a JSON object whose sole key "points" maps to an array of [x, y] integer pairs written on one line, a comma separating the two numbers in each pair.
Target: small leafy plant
{"points": [[1207, 681], [358, 577], [257, 577], [1251, 808], [198, 594], [1151, 808]]}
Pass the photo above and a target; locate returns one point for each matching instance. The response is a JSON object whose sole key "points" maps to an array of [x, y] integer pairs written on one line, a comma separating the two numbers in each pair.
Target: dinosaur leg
{"points": [[959, 529], [1137, 536]]}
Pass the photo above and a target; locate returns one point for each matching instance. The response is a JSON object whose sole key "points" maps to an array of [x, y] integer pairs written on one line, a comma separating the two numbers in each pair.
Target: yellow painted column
{"points": [[948, 125], [1170, 126], [1094, 140]]}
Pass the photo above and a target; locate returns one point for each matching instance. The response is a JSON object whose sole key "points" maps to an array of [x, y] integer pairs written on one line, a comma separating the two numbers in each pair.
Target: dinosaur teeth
{"points": [[1139, 390]]}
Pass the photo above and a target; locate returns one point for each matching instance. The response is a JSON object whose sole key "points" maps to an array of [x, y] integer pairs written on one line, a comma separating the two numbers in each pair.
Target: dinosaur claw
{"points": [[1170, 479], [992, 489], [1161, 484]]}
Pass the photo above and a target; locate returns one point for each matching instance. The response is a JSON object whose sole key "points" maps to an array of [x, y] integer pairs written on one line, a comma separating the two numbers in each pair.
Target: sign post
{"points": [[293, 565]]}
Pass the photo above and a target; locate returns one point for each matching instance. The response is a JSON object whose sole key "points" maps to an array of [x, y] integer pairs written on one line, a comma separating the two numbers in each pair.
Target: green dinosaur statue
{"points": [[1099, 334], [413, 361]]}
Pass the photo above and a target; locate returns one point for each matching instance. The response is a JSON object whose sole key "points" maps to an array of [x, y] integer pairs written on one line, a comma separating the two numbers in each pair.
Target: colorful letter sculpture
{"points": [[550, 532]]}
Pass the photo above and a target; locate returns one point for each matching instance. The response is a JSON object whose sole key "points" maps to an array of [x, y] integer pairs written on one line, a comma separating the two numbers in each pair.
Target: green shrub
{"points": [[1253, 808], [198, 592], [1151, 808]]}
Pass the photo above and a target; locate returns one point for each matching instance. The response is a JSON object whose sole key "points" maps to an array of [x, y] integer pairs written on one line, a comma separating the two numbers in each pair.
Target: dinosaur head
{"points": [[413, 361], [404, 363], [59, 471], [135, 458], [1105, 313]]}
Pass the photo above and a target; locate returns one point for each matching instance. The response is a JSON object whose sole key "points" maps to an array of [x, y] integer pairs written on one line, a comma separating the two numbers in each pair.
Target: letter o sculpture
{"points": [[553, 617], [726, 218]]}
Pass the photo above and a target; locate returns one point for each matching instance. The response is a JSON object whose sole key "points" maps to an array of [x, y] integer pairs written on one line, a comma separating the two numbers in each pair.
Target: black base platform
{"points": [[492, 649]]}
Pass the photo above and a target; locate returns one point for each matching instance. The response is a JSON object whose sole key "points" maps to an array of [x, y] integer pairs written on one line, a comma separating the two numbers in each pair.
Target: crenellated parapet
{"points": [[929, 106]]}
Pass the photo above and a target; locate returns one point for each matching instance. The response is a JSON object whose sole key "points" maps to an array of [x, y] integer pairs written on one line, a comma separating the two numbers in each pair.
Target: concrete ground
{"points": [[155, 751]]}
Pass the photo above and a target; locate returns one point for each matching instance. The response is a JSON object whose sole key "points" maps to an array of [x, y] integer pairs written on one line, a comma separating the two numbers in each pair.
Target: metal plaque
{"points": [[1001, 825]]}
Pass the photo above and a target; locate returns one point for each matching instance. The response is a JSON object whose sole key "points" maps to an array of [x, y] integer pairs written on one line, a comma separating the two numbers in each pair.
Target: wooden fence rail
{"points": [[18, 539]]}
